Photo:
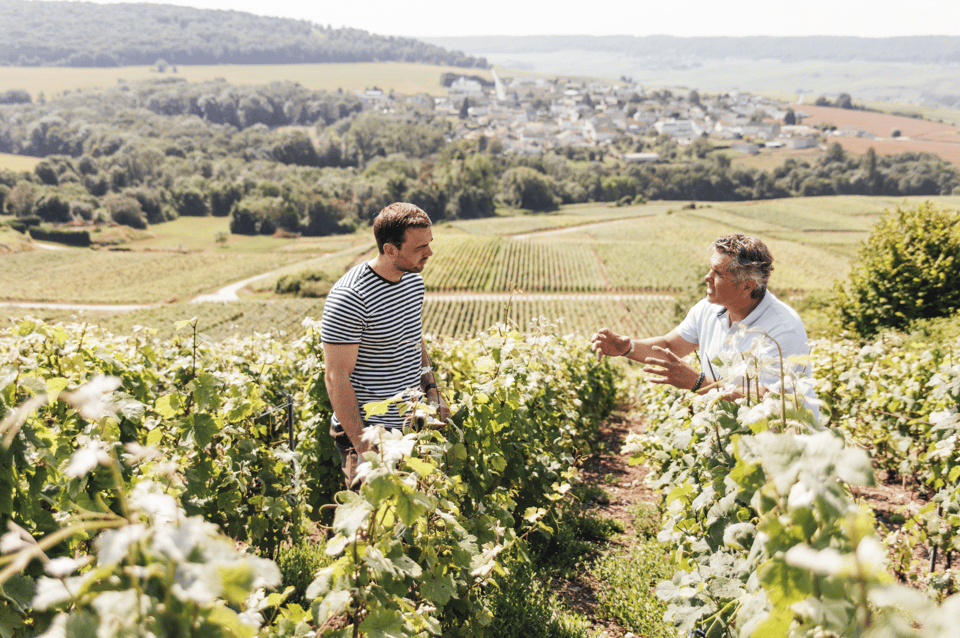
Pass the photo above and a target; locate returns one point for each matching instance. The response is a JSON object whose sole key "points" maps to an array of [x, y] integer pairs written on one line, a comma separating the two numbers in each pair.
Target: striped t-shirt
{"points": [[384, 317]]}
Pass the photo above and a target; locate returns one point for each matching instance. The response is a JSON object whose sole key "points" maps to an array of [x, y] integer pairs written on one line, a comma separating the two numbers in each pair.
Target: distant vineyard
{"points": [[462, 318], [502, 265]]}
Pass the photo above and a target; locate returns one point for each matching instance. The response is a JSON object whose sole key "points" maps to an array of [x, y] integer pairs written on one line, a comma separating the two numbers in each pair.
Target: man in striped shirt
{"points": [[373, 346]]}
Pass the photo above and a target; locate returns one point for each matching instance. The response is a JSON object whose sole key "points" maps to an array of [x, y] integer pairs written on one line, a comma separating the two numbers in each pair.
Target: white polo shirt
{"points": [[708, 326]]}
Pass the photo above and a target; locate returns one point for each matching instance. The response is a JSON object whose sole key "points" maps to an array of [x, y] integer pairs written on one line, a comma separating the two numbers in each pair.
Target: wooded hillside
{"points": [[83, 34]]}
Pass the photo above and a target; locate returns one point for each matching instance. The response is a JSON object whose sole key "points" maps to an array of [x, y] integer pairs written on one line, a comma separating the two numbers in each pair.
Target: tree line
{"points": [[279, 157], [86, 34]]}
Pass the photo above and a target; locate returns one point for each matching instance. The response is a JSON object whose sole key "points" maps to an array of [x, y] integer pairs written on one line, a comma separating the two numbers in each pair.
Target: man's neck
{"points": [[740, 311], [382, 266]]}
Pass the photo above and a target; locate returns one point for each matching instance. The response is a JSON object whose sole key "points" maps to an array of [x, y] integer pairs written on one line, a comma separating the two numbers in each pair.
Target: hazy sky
{"points": [[868, 18]]}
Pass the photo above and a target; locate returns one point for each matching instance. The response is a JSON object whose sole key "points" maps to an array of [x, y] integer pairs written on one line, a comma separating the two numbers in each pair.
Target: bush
{"points": [[299, 565], [192, 203], [51, 207], [263, 216], [125, 210], [21, 198], [150, 203], [523, 606], [81, 210], [313, 284], [21, 224], [909, 269], [525, 187], [67, 236]]}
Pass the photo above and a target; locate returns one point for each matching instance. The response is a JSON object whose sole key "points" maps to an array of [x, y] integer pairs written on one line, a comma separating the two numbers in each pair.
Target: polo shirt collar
{"points": [[755, 314]]}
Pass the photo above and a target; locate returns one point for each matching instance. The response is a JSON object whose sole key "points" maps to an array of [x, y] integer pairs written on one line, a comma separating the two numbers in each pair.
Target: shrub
{"points": [[52, 207], [67, 236], [909, 269], [150, 203], [299, 565], [125, 210], [525, 187], [263, 216], [47, 173], [312, 284], [192, 203], [81, 210], [21, 198], [21, 224]]}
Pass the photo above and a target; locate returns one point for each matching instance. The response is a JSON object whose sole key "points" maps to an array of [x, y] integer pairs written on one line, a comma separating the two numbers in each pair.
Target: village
{"points": [[532, 115]]}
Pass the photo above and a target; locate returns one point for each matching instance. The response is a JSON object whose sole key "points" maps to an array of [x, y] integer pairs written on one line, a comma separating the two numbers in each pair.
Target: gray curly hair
{"points": [[750, 259]]}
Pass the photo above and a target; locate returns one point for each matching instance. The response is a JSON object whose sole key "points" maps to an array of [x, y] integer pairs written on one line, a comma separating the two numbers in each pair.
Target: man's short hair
{"points": [[391, 223], [750, 259]]}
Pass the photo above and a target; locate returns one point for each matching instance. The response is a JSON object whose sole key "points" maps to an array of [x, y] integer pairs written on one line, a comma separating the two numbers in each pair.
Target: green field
{"points": [[17, 163], [584, 256], [107, 277], [513, 222], [401, 77]]}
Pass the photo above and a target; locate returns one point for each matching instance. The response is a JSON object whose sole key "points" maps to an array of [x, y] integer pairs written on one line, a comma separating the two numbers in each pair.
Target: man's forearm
{"points": [[343, 398]]}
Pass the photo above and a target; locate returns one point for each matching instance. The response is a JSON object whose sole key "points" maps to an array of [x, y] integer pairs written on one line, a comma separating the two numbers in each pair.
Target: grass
{"points": [[11, 238], [512, 222], [627, 593], [406, 78], [930, 113], [18, 163], [108, 277]]}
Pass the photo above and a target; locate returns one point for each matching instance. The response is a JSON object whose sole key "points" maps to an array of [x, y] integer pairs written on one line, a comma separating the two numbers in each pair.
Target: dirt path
{"points": [[625, 484]]}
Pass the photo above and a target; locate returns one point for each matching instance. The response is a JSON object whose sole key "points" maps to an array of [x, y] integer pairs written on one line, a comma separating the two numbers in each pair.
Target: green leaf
{"points": [[19, 589], [237, 581], [203, 427], [421, 467], [376, 408], [206, 392], [382, 622], [229, 620], [167, 405], [154, 437], [954, 474], [785, 585], [438, 589], [411, 507], [81, 624], [183, 323], [379, 564], [352, 514], [11, 622], [334, 603], [533, 514], [56, 385]]}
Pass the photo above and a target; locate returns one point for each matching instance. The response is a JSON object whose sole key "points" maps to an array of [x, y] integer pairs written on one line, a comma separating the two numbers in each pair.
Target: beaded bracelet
{"points": [[696, 386]]}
